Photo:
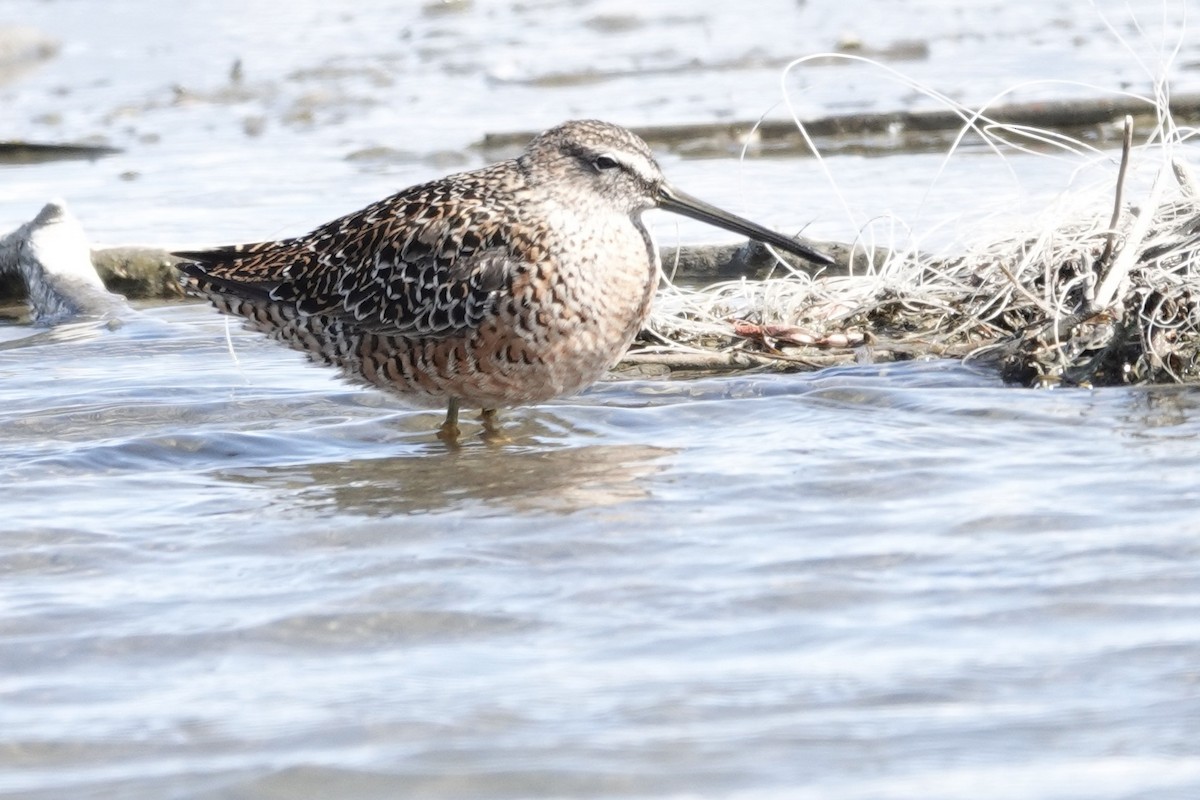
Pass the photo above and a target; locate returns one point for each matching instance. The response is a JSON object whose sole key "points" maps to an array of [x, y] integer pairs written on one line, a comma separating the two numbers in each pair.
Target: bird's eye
{"points": [[605, 161]]}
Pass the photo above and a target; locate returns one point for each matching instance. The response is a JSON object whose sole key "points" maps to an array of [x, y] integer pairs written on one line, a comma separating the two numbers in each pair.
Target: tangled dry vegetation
{"points": [[1106, 295]]}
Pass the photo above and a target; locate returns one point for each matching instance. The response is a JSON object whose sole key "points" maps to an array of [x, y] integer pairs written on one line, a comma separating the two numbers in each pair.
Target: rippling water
{"points": [[225, 574], [871, 582]]}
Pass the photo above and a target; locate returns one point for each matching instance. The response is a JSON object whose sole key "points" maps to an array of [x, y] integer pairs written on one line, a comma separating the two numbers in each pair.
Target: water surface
{"points": [[226, 574]]}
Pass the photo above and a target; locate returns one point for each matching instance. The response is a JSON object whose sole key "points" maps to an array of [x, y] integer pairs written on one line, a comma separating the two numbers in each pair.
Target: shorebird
{"points": [[499, 287]]}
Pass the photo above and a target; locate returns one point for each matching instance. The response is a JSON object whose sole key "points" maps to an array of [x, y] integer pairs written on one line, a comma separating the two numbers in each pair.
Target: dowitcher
{"points": [[504, 286]]}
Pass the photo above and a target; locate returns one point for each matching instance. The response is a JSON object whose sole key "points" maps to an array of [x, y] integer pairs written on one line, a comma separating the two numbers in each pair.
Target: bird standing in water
{"points": [[504, 286]]}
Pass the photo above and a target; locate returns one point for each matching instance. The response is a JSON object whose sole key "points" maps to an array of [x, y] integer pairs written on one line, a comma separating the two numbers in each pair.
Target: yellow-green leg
{"points": [[449, 430], [491, 426]]}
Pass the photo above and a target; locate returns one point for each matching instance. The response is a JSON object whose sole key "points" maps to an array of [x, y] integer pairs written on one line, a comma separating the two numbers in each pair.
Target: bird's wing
{"points": [[402, 266]]}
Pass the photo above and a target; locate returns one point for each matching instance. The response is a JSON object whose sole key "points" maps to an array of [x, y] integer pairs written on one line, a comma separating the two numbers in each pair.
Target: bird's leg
{"points": [[491, 427], [448, 432]]}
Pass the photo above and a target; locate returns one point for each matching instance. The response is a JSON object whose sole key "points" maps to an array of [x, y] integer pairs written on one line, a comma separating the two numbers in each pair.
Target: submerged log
{"points": [[21, 152], [142, 273]]}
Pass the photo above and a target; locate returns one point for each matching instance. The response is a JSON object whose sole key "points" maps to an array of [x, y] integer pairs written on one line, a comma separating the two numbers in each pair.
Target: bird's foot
{"points": [[448, 433], [491, 427]]}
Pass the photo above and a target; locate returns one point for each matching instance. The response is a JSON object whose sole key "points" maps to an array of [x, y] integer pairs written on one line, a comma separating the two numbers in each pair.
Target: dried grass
{"points": [[1098, 289]]}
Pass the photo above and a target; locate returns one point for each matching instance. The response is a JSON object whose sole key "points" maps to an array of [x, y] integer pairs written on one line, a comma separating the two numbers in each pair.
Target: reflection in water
{"points": [[1159, 407], [556, 481]]}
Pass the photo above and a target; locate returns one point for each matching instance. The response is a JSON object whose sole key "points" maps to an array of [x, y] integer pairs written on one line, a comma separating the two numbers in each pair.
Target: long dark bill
{"points": [[671, 199]]}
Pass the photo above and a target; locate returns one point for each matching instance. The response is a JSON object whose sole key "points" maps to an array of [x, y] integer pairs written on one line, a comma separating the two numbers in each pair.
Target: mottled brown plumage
{"points": [[504, 286]]}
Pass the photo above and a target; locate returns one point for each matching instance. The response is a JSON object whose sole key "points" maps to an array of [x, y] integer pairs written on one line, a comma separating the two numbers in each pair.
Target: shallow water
{"points": [[867, 582], [226, 574]]}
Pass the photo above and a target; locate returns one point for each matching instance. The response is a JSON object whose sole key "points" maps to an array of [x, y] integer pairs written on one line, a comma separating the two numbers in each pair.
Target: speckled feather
{"points": [[502, 286], [420, 263]]}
